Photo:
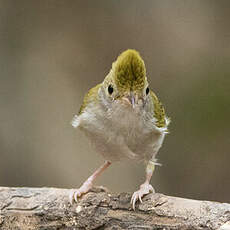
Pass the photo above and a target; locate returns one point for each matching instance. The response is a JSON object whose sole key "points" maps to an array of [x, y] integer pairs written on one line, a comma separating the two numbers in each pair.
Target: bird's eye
{"points": [[110, 89], [147, 90]]}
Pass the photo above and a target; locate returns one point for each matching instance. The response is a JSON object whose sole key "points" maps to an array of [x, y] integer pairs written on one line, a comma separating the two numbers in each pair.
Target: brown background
{"points": [[52, 52]]}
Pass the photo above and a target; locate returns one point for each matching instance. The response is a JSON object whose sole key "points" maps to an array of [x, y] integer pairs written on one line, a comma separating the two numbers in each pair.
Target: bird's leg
{"points": [[146, 187], [88, 184]]}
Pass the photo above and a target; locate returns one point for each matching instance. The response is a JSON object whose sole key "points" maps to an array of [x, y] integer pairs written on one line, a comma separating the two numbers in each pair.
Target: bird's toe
{"points": [[144, 190]]}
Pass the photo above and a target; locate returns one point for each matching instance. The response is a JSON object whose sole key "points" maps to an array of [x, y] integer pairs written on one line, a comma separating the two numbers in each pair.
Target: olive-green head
{"points": [[129, 71], [127, 79]]}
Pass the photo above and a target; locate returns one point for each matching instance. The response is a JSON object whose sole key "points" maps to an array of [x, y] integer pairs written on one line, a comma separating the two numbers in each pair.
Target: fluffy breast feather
{"points": [[118, 132]]}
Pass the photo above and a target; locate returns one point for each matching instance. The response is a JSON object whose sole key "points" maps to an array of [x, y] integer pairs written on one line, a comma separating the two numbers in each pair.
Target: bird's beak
{"points": [[131, 99]]}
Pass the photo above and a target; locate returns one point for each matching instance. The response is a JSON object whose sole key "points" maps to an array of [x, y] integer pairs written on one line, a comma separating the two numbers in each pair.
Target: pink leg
{"points": [[146, 187], [88, 184]]}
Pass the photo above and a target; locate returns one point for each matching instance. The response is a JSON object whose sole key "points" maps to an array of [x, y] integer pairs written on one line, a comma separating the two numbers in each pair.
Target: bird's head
{"points": [[127, 81]]}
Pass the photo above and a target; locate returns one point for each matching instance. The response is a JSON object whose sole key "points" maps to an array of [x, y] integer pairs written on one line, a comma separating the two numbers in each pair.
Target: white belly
{"points": [[121, 133]]}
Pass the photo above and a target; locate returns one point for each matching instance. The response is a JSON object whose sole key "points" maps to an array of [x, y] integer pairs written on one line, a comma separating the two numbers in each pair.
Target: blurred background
{"points": [[52, 52]]}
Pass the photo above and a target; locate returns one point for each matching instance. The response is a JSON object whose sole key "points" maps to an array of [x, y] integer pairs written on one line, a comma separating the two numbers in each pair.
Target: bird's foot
{"points": [[145, 188], [76, 193]]}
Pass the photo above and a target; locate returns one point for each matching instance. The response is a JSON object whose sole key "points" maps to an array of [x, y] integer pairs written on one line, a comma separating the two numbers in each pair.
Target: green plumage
{"points": [[91, 96], [159, 112], [130, 72]]}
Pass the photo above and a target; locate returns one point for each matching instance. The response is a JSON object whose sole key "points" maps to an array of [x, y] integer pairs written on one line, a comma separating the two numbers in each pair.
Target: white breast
{"points": [[121, 132]]}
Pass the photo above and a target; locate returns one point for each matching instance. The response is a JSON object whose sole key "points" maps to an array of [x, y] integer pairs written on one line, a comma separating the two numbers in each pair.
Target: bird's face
{"points": [[126, 83]]}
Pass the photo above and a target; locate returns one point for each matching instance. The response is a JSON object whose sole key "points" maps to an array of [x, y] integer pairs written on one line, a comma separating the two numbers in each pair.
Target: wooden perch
{"points": [[48, 208]]}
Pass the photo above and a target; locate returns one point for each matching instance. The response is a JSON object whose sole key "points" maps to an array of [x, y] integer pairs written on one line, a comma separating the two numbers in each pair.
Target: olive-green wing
{"points": [[159, 111], [91, 96]]}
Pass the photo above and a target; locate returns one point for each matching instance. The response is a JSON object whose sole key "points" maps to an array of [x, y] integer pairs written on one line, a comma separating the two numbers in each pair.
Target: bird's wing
{"points": [[159, 112], [91, 96]]}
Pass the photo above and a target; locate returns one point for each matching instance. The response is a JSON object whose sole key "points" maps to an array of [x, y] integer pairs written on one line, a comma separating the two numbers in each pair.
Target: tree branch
{"points": [[48, 208]]}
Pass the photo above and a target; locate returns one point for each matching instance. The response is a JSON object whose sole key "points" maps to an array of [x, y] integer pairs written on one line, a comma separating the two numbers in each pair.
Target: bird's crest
{"points": [[129, 71]]}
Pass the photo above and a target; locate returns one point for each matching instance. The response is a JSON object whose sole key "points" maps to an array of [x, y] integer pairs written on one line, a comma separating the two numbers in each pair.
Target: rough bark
{"points": [[48, 208]]}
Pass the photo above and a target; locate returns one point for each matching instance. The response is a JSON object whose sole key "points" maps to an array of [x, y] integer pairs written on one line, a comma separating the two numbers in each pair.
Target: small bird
{"points": [[124, 119]]}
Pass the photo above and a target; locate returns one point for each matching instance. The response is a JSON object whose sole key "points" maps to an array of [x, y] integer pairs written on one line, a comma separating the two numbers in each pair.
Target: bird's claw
{"points": [[145, 188], [76, 193]]}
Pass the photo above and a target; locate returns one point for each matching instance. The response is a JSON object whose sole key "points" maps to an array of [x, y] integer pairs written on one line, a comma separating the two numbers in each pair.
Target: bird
{"points": [[124, 120]]}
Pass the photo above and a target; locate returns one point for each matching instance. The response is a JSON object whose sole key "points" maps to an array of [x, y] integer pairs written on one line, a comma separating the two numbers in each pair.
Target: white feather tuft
{"points": [[75, 121]]}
